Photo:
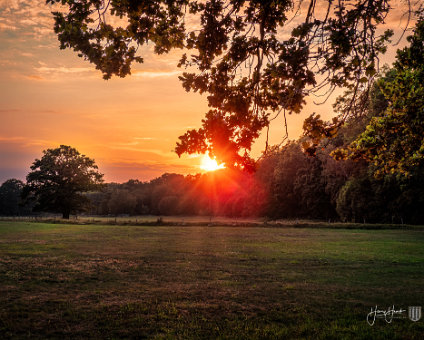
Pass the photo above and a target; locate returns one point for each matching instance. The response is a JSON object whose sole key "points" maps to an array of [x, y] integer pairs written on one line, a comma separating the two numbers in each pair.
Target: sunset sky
{"points": [[129, 126]]}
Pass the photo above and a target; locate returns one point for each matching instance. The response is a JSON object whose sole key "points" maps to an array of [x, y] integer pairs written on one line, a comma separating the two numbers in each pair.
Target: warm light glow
{"points": [[129, 126], [209, 164]]}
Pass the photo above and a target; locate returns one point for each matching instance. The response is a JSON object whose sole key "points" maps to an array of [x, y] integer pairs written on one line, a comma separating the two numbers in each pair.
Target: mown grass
{"points": [[92, 281], [220, 221]]}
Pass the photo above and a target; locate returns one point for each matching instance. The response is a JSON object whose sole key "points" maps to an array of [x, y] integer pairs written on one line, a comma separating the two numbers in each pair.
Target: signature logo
{"points": [[388, 315], [414, 313]]}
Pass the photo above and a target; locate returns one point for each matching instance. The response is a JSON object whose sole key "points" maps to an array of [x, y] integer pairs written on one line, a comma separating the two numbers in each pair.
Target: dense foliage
{"points": [[58, 180], [393, 141], [11, 203]]}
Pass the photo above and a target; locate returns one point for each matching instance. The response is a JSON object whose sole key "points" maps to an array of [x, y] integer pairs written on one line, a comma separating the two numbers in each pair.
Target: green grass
{"points": [[93, 281], [154, 220]]}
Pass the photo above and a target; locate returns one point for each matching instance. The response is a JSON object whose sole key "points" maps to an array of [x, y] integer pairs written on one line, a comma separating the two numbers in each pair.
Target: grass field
{"points": [[93, 281]]}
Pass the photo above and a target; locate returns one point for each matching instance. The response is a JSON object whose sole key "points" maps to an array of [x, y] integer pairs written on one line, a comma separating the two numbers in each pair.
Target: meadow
{"points": [[230, 282]]}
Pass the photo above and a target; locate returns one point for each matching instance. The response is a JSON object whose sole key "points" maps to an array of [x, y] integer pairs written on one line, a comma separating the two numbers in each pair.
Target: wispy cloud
{"points": [[63, 69], [155, 74], [33, 77], [7, 26], [11, 139], [142, 150], [145, 138], [26, 141]]}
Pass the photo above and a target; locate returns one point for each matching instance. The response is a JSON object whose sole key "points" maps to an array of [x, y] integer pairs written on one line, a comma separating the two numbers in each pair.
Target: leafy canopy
{"points": [[57, 180], [393, 141], [254, 59]]}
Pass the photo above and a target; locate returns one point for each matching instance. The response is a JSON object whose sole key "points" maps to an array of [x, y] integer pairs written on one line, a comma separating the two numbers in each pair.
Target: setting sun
{"points": [[209, 164]]}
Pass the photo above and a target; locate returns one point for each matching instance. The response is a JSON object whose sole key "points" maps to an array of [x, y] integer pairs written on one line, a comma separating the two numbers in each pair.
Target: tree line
{"points": [[332, 184], [288, 183]]}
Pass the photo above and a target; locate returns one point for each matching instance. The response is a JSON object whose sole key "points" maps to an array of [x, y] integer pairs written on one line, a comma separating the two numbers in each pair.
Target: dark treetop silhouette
{"points": [[10, 198], [57, 180], [254, 59]]}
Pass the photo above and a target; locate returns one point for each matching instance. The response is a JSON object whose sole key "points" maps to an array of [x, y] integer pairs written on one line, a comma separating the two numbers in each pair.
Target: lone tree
{"points": [[255, 59], [58, 180]]}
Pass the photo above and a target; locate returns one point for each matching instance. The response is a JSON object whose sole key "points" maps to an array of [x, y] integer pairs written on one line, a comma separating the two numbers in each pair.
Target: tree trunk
{"points": [[65, 215]]}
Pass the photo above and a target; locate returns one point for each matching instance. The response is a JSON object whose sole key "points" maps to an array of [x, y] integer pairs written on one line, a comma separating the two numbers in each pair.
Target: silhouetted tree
{"points": [[58, 180], [10, 198], [251, 58]]}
